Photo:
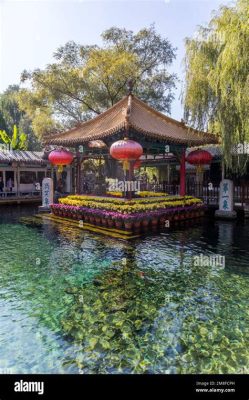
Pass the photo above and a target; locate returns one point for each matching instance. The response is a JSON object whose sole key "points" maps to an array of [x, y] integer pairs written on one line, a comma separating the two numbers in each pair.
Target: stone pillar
{"points": [[47, 194], [226, 206]]}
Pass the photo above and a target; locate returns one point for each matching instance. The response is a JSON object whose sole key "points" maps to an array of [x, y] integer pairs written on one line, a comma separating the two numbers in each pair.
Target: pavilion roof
{"points": [[133, 114]]}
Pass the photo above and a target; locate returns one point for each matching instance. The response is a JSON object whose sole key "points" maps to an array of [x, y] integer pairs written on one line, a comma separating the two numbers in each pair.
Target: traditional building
{"points": [[21, 175], [160, 136]]}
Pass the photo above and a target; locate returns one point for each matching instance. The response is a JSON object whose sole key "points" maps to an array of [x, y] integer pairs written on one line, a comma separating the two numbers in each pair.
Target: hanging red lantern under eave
{"points": [[137, 164], [60, 158], [199, 157], [126, 150]]}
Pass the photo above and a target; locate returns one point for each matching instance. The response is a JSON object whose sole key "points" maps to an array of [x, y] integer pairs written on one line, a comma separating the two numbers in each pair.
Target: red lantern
{"points": [[137, 164], [126, 150], [199, 157], [60, 157]]}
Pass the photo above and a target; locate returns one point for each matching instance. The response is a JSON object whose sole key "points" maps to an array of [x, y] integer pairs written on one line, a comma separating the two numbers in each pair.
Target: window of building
{"points": [[40, 176], [9, 177], [27, 177]]}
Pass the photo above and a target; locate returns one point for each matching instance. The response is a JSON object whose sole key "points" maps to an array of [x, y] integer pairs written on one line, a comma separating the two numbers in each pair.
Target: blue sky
{"points": [[30, 31]]}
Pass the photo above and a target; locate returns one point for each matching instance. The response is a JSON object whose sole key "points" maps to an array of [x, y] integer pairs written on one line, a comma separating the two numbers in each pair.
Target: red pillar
{"points": [[130, 177], [78, 173], [183, 175]]}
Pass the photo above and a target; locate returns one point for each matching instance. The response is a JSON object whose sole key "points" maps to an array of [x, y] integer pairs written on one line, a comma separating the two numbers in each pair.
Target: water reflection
{"points": [[98, 304]]}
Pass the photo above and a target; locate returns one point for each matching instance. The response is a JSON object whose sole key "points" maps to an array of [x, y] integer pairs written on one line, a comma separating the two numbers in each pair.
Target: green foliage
{"points": [[157, 313], [130, 322], [12, 116], [151, 172], [85, 80], [10, 111], [112, 320], [217, 79], [18, 141]]}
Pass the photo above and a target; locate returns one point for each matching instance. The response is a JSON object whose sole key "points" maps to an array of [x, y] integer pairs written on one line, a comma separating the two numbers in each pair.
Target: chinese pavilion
{"points": [[134, 119]]}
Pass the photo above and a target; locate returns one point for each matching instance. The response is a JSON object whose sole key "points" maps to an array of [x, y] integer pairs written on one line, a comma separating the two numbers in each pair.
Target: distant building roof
{"points": [[22, 157], [132, 114]]}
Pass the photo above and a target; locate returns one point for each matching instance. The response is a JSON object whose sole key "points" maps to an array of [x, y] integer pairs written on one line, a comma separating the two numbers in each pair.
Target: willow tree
{"points": [[217, 80], [84, 80]]}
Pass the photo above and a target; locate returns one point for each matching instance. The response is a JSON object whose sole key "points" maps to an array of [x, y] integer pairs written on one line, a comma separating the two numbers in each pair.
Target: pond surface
{"points": [[75, 302]]}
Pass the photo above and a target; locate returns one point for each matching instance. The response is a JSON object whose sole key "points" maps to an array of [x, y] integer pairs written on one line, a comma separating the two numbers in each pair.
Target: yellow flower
{"points": [[128, 206]]}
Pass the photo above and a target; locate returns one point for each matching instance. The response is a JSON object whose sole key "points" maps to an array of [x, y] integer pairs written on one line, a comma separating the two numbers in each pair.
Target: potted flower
{"points": [[118, 221], [104, 219], [187, 213], [64, 212], [71, 212], [91, 218], [176, 215], [162, 219], [145, 221], [154, 219], [137, 222], [54, 209], [128, 222], [58, 210], [86, 216], [97, 219], [181, 214], [110, 221], [79, 215], [191, 212]]}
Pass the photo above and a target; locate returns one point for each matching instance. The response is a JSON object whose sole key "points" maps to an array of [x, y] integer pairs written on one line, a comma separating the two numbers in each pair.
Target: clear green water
{"points": [[69, 304]]}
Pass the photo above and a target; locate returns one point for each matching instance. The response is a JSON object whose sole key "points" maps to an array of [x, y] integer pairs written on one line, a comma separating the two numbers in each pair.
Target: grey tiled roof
{"points": [[20, 156]]}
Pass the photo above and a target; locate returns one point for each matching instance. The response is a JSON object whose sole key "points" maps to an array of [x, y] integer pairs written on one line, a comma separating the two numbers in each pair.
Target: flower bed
{"points": [[129, 206], [129, 215], [139, 194]]}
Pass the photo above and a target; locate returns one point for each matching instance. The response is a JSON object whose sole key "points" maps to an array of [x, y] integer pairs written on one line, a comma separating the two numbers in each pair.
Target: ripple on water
{"points": [[68, 303]]}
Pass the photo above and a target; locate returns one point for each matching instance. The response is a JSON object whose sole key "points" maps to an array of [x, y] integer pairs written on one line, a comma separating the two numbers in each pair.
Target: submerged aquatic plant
{"points": [[130, 321], [112, 320]]}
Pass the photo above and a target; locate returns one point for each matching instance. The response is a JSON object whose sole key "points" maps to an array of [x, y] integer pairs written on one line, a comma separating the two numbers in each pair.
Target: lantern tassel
{"points": [[125, 165], [199, 168]]}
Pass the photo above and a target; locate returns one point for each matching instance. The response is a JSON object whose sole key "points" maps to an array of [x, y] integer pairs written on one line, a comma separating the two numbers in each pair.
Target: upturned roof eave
{"points": [[126, 108], [198, 141]]}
